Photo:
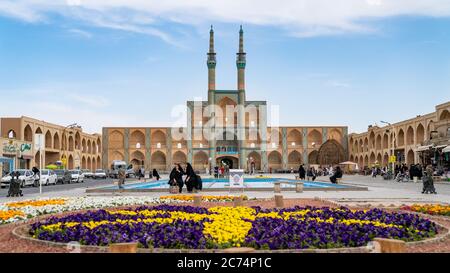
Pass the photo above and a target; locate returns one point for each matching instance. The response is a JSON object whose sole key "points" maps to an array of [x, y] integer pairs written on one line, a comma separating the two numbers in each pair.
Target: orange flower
{"points": [[8, 214], [37, 203]]}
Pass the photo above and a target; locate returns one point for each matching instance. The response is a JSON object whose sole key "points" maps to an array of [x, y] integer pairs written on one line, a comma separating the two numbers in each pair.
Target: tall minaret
{"points": [[240, 62], [211, 62]]}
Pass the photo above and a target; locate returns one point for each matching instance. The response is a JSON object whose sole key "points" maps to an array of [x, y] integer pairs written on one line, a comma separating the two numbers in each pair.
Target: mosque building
{"points": [[226, 129]]}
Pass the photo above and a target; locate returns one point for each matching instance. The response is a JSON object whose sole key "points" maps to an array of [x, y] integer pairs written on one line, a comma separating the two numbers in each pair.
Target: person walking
{"points": [[191, 178], [428, 183], [155, 174], [122, 176], [301, 172]]}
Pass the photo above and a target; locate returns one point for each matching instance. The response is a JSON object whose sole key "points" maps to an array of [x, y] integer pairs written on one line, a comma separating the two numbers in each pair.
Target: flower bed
{"points": [[443, 210], [186, 227], [205, 198], [15, 211]]}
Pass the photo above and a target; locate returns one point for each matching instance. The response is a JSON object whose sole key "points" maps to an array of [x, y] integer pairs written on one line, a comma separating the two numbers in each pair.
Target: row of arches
{"points": [[412, 136], [64, 141], [382, 160], [90, 163], [329, 153], [158, 138]]}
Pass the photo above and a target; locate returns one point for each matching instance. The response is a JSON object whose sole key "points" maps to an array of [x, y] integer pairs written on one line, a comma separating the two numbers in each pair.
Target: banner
{"points": [[236, 178]]}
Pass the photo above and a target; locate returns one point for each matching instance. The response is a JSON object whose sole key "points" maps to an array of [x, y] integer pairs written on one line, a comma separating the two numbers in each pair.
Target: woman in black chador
{"points": [[156, 174], [191, 178], [176, 177]]}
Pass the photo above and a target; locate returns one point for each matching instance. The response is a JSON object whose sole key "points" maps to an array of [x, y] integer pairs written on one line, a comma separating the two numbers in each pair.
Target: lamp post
{"points": [[64, 148], [392, 143]]}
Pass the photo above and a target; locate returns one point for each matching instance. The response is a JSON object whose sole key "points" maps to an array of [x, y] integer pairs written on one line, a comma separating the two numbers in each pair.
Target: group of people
{"points": [[311, 173], [222, 171], [140, 174], [192, 181], [14, 185]]}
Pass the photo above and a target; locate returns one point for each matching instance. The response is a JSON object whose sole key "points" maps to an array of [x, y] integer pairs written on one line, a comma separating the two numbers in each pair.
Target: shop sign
{"points": [[13, 148]]}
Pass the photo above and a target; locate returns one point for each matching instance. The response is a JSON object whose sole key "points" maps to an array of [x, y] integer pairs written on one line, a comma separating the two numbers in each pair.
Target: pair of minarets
{"points": [[240, 63]]}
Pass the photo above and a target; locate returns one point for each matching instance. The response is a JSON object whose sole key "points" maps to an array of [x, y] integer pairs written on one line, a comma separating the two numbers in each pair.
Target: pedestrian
{"points": [[156, 174], [428, 183], [337, 175], [122, 176], [191, 178], [139, 174], [301, 172], [176, 177]]}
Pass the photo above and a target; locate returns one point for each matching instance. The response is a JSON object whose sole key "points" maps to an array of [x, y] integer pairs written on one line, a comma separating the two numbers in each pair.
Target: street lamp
{"points": [[70, 126]]}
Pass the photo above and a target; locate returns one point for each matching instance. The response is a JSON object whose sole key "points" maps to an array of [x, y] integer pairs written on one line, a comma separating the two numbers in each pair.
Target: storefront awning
{"points": [[424, 148], [446, 149], [440, 146]]}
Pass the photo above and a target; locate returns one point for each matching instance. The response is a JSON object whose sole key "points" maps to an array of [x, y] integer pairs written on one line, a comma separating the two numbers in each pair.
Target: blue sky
{"points": [[116, 63]]}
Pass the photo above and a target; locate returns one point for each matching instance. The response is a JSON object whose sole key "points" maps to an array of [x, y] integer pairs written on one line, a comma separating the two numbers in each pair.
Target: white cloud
{"points": [[303, 18], [82, 33]]}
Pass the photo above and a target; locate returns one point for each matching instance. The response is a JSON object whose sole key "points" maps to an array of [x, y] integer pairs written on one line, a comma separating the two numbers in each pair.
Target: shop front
{"points": [[15, 155]]}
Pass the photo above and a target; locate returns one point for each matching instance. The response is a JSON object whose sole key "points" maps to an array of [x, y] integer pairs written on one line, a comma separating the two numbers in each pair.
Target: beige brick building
{"points": [[416, 140], [81, 150]]}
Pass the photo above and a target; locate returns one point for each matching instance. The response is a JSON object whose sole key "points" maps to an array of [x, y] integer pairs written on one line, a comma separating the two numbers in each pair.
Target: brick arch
{"points": [[137, 136], [48, 140], [56, 142], [116, 139], [420, 133], [378, 142], [116, 155], [335, 134], [410, 136], [445, 114], [331, 153], [158, 136], [401, 138], [275, 160], [201, 160], [314, 137], [313, 157], [294, 159], [256, 157], [296, 137], [28, 133], [179, 157], [158, 160]]}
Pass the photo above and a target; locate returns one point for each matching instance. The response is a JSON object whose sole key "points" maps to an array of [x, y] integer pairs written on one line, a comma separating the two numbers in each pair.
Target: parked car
{"points": [[130, 173], [77, 176], [26, 178], [88, 174], [48, 177], [59, 176], [115, 166], [100, 174]]}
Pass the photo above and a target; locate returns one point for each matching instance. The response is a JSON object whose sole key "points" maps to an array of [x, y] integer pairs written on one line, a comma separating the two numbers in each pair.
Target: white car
{"points": [[77, 176], [26, 177], [88, 174], [48, 177], [100, 174]]}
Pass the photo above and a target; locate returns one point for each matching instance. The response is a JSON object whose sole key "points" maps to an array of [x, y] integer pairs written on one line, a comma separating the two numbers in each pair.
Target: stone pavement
{"points": [[380, 193]]}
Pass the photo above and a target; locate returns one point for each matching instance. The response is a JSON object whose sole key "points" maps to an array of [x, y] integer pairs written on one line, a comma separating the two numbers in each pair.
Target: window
{"points": [[179, 145], [448, 131], [293, 144], [158, 145], [252, 145], [200, 145], [274, 145], [11, 134], [138, 145]]}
